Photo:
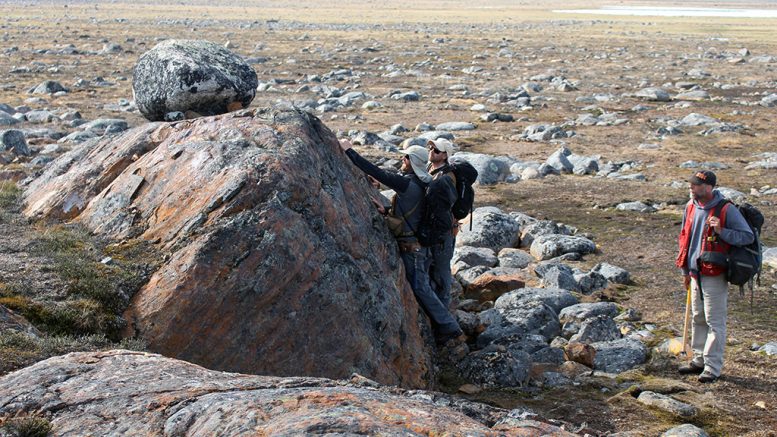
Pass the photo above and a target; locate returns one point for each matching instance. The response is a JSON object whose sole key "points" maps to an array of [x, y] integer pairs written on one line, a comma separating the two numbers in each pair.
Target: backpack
{"points": [[465, 175], [744, 262]]}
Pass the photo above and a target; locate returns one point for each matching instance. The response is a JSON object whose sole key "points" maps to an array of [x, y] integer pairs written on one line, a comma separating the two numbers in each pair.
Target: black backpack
{"points": [[744, 262], [465, 175]]}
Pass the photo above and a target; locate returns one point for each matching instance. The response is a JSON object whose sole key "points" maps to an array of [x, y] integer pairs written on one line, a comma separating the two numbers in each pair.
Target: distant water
{"points": [[675, 12]]}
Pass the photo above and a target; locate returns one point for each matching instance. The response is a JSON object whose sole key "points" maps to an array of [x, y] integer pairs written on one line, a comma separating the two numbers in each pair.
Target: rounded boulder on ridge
{"points": [[191, 75]]}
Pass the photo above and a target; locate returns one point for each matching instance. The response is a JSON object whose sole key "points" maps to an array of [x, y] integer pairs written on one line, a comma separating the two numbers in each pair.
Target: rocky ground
{"points": [[591, 123]]}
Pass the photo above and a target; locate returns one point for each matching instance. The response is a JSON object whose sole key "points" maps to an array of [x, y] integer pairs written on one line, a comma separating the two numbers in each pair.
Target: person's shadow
{"points": [[762, 385]]}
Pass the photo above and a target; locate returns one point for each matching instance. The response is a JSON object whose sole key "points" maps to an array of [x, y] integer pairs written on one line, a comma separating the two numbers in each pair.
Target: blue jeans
{"points": [[440, 270], [416, 265]]}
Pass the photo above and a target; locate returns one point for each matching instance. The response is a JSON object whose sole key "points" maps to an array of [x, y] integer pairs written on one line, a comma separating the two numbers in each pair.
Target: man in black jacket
{"points": [[442, 190], [405, 213]]}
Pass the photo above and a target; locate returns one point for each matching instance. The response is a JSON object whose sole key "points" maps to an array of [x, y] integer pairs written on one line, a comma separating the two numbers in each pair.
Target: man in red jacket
{"points": [[706, 235]]}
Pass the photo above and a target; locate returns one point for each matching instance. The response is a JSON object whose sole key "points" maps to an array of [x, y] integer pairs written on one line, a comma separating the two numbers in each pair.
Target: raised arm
{"points": [[393, 181]]}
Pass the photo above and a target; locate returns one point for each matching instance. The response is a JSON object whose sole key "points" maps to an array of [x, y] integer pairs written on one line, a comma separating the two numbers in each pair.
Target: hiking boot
{"points": [[453, 338], [690, 369], [707, 377]]}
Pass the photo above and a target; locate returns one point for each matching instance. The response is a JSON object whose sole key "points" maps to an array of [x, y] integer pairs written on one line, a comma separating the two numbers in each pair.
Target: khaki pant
{"points": [[709, 309]]}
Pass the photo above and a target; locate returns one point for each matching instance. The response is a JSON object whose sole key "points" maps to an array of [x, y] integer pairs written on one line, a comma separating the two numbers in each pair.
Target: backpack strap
{"points": [[720, 211], [405, 216], [452, 175], [395, 205]]}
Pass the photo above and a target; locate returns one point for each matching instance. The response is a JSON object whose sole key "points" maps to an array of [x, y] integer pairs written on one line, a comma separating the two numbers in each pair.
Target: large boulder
{"points": [[620, 355], [491, 228], [583, 311], [191, 75], [490, 169], [520, 319], [133, 393], [553, 245], [275, 260], [555, 298]]}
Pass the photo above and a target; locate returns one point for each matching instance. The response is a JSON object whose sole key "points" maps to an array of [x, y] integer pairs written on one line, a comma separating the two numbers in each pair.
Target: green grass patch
{"points": [[70, 317]]}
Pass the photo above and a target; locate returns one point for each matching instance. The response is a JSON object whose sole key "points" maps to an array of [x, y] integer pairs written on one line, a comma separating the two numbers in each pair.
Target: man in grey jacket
{"points": [[706, 235]]}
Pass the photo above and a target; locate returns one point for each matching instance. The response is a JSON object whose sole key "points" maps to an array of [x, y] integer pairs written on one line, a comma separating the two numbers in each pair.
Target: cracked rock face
{"points": [[191, 75], [121, 392], [276, 263]]}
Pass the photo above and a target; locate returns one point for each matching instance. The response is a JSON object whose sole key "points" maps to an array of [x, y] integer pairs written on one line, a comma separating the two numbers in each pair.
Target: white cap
{"points": [[443, 145]]}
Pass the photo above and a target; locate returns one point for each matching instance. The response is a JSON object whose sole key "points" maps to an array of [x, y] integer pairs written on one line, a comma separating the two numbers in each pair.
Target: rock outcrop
{"points": [[276, 262], [191, 75], [121, 392]]}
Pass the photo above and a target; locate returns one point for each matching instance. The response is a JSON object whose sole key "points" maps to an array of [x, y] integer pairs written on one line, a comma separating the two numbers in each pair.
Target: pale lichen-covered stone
{"points": [[191, 75], [122, 392]]}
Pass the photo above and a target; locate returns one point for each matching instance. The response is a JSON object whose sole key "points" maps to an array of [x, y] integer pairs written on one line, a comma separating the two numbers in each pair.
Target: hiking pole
{"points": [[686, 352]]}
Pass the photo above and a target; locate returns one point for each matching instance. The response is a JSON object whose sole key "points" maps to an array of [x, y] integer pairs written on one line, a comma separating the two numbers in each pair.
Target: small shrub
{"points": [[34, 312], [10, 195], [133, 344], [30, 426], [62, 239], [70, 317], [19, 350], [97, 293], [82, 317], [90, 279]]}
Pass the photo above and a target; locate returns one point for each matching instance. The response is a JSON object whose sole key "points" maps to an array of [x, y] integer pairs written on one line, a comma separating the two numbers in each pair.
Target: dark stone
{"points": [[548, 354], [48, 87], [496, 367], [599, 328], [14, 141], [557, 277], [619, 355]]}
